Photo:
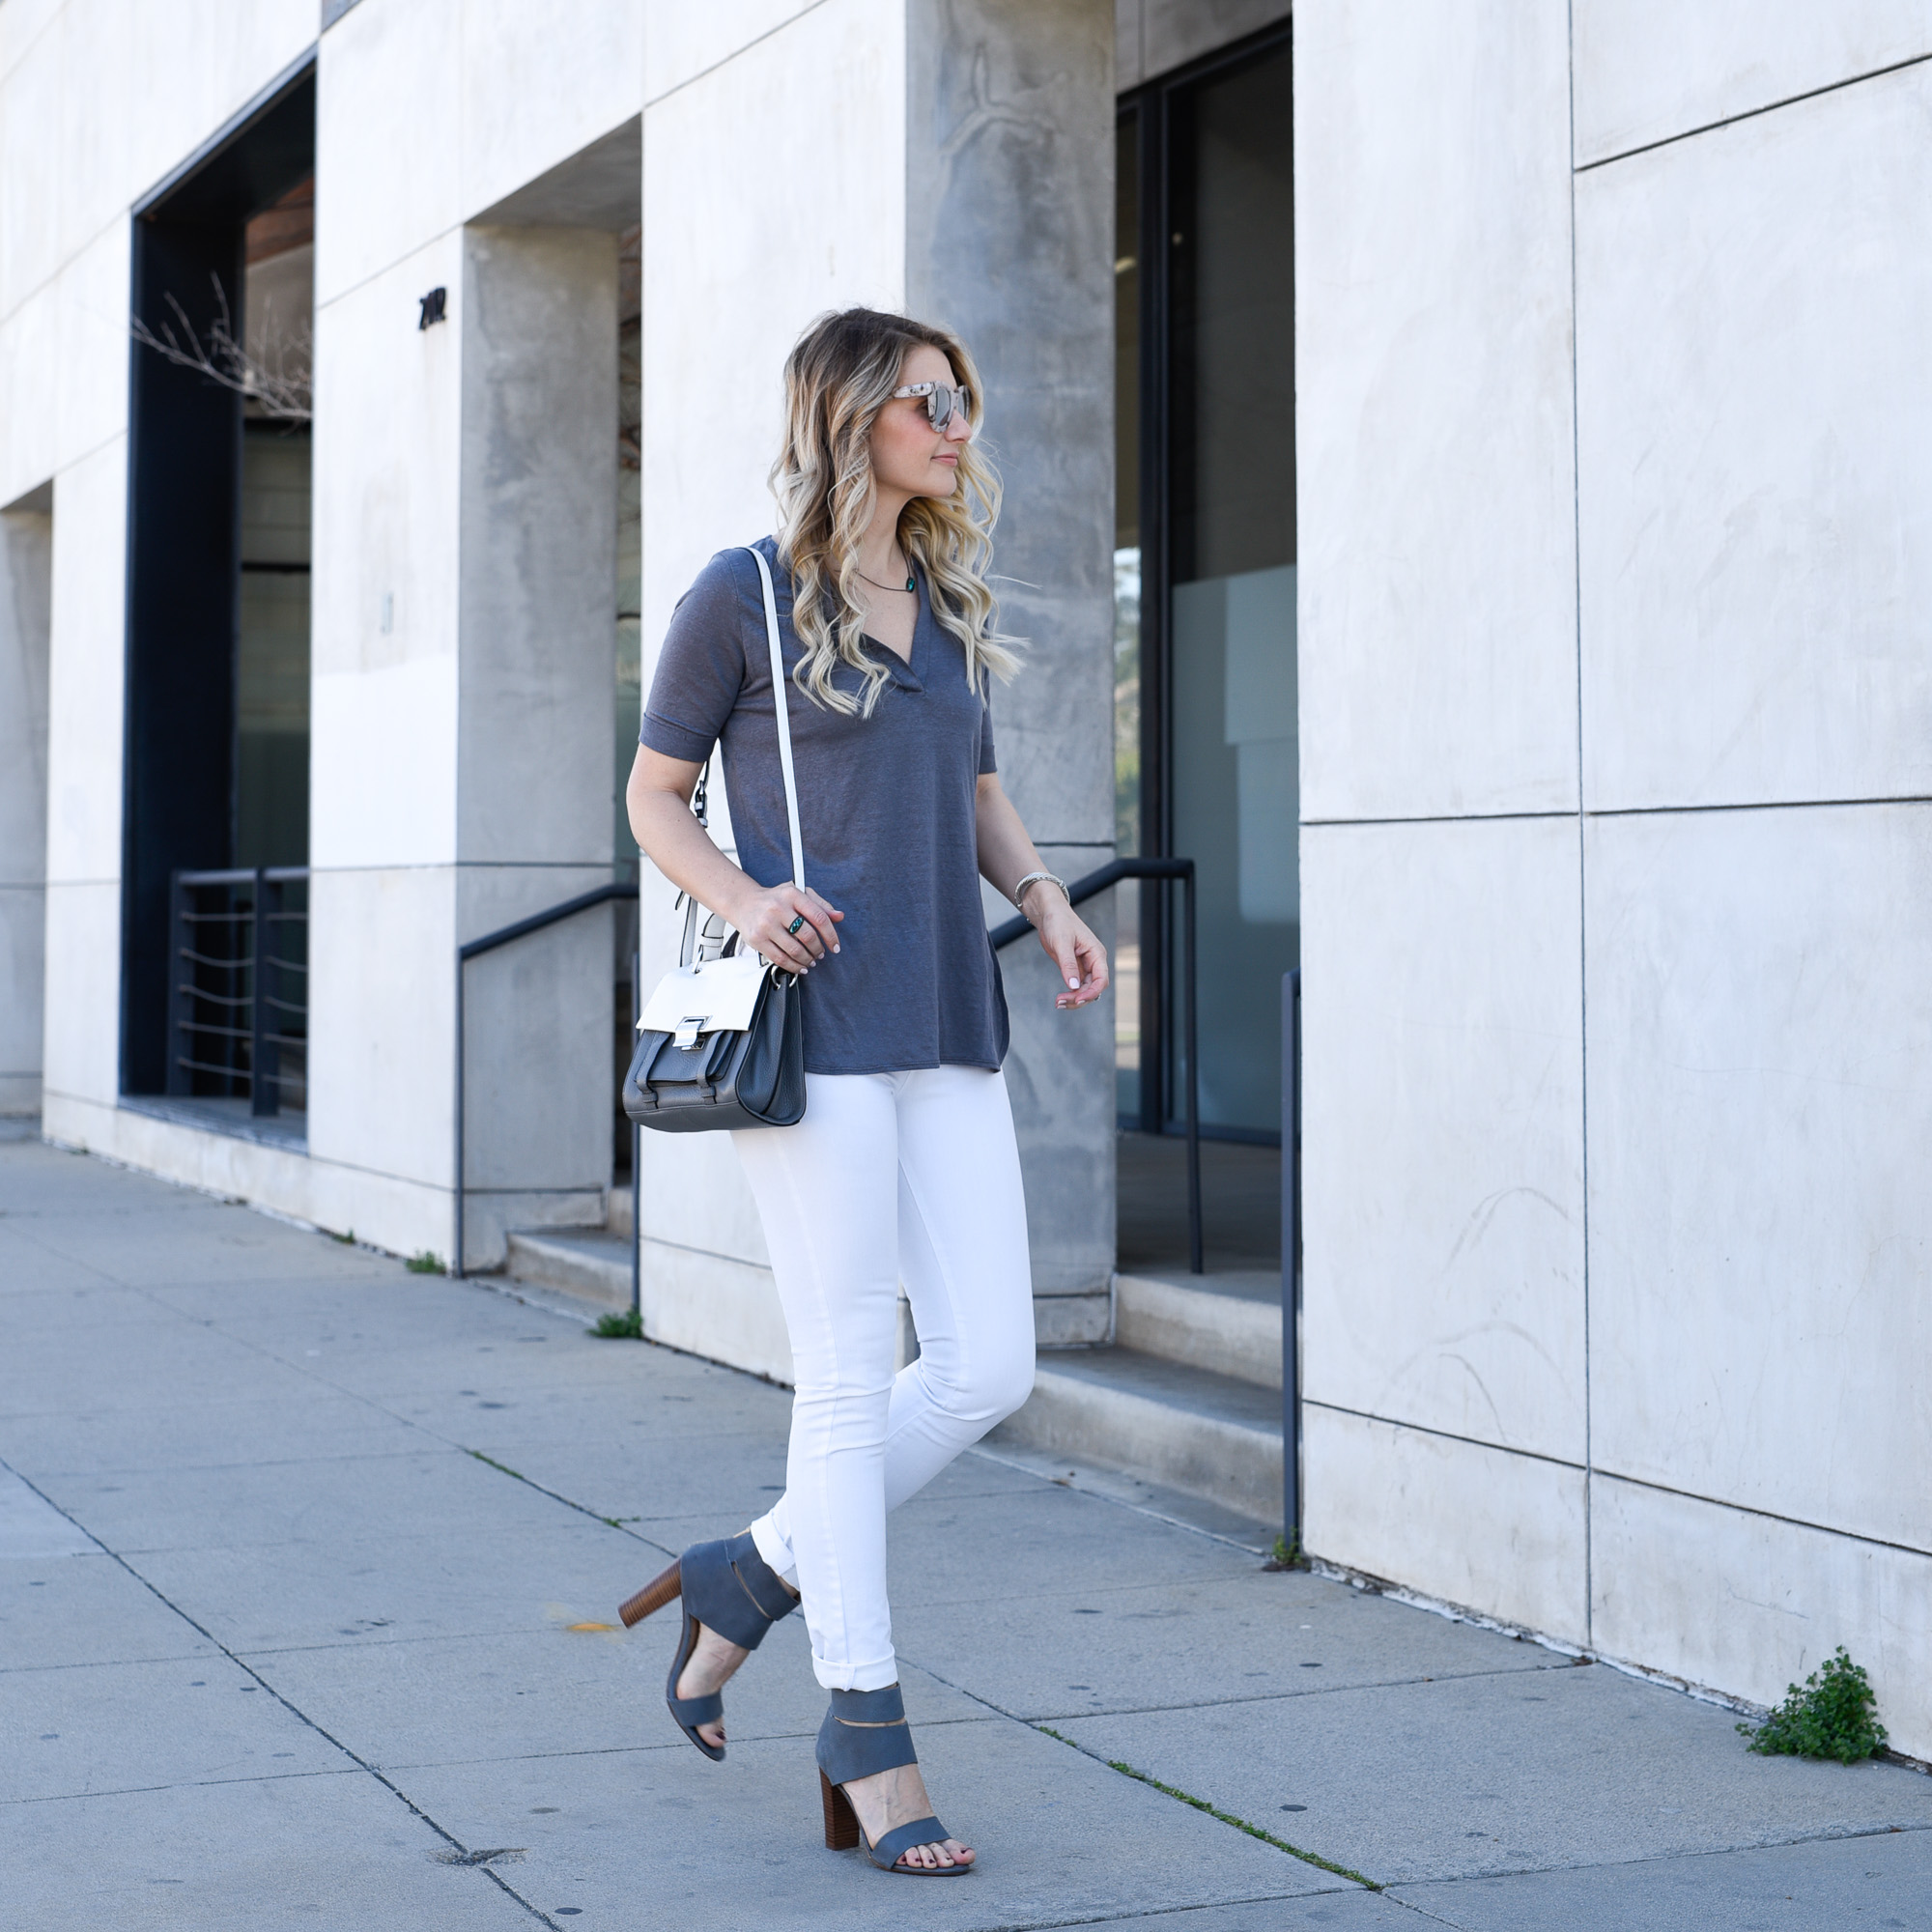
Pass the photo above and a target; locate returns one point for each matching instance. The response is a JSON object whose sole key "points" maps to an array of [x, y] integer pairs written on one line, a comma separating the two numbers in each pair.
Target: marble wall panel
{"points": [[1442, 1115], [84, 674], [1756, 510], [1481, 1528], [81, 1043], [683, 42], [1648, 70], [93, 301], [1749, 1605], [389, 145], [539, 83], [143, 87], [382, 980], [385, 588], [1438, 616], [29, 403], [1760, 1051], [22, 22], [31, 100], [722, 1309]]}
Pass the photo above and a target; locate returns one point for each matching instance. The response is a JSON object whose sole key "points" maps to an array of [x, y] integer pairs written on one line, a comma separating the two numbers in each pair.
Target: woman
{"points": [[904, 1166]]}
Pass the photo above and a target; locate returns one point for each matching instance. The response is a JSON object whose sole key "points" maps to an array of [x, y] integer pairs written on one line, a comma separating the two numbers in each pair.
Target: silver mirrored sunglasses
{"points": [[939, 401]]}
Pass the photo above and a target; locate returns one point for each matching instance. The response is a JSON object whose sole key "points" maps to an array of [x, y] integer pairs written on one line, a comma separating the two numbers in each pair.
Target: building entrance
{"points": [[1205, 753]]}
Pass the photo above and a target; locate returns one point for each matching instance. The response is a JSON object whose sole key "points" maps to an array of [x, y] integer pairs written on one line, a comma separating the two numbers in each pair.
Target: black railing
{"points": [[474, 949], [238, 988], [1090, 887]]}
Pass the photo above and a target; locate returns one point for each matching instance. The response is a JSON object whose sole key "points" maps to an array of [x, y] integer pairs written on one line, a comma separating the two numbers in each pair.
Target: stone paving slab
{"points": [[130, 1726], [1241, 1636], [297, 1426], [329, 1853], [59, 1613], [1470, 1776], [667, 1839], [554, 1691], [335, 1502], [384, 1588], [1839, 1884]]}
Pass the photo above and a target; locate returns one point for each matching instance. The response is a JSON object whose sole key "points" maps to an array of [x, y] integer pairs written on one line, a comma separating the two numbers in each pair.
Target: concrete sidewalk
{"points": [[297, 1549]]}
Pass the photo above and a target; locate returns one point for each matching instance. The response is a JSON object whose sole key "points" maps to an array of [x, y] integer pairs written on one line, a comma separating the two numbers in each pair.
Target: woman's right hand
{"points": [[762, 919]]}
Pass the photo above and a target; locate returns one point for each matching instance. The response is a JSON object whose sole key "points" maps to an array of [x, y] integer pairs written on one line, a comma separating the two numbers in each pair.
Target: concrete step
{"points": [[584, 1261], [1211, 1435], [1228, 1324]]}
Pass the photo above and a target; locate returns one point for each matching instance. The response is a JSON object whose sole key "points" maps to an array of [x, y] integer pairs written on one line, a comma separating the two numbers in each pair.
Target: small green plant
{"points": [[1288, 1555], [348, 1240], [628, 1327], [425, 1263], [1835, 1714]]}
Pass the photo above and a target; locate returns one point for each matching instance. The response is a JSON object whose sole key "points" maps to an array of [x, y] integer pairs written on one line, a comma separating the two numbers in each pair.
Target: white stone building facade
{"points": [[1608, 704]]}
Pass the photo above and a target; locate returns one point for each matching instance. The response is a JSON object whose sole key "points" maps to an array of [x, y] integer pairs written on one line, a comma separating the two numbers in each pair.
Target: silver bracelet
{"points": [[1034, 879]]}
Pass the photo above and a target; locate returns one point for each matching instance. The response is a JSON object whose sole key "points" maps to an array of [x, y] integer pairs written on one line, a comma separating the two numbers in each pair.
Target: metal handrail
{"points": [[474, 949], [1078, 893]]}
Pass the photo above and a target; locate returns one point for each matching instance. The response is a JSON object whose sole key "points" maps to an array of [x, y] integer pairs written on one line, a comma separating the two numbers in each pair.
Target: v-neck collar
{"points": [[905, 671]]}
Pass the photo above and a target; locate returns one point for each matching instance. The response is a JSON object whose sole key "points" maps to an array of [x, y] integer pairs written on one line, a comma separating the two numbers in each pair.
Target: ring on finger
{"points": [[794, 928]]}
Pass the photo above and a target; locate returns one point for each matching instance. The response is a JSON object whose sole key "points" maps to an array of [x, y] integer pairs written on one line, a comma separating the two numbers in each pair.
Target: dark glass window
{"points": [[1206, 573]]}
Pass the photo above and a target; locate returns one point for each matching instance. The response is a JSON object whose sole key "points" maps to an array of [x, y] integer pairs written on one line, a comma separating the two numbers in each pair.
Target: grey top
{"points": [[887, 805]]}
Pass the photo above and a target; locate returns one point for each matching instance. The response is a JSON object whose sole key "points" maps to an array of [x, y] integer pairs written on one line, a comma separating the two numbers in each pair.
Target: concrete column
{"points": [[26, 565], [537, 585], [1010, 240], [968, 178]]}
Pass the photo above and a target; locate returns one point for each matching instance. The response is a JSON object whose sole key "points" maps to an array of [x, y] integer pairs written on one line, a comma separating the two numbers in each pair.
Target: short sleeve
{"points": [[986, 760], [701, 668]]}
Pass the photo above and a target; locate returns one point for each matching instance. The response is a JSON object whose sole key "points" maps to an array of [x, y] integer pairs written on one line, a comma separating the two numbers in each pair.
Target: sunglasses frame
{"points": [[932, 392]]}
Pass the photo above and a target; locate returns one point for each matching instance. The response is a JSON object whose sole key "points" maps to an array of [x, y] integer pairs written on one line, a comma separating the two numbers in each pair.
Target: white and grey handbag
{"points": [[721, 1040]]}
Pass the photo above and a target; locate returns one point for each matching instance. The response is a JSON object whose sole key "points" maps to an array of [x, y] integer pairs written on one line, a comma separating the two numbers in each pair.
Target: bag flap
{"points": [[721, 995]]}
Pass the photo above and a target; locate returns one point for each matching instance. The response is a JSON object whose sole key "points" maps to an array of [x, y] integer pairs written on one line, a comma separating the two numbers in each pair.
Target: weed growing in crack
{"points": [[1835, 1715], [425, 1263], [628, 1327]]}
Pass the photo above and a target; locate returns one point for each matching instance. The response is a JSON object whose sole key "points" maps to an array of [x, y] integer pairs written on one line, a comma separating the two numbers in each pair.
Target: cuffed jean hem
{"points": [[778, 1558], [856, 1676]]}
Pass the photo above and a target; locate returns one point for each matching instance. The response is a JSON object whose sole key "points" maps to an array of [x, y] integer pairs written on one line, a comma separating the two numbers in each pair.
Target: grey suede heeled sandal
{"points": [[866, 1732], [727, 1587]]}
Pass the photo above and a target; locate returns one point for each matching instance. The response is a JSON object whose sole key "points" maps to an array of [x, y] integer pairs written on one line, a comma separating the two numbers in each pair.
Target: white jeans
{"points": [[890, 1176]]}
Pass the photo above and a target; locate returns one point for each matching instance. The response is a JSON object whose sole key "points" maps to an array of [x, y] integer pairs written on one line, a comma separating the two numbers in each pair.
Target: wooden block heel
{"points": [[654, 1596], [841, 1822]]}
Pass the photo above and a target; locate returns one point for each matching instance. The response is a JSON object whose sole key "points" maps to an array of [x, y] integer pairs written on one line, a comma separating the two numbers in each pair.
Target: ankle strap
{"points": [[870, 1707], [864, 1732]]}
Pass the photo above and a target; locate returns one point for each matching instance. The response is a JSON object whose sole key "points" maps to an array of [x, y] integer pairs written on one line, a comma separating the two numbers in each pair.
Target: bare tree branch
{"points": [[279, 386]]}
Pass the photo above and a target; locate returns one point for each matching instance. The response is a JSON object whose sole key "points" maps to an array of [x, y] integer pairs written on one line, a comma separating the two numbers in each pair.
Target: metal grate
{"points": [[237, 996]]}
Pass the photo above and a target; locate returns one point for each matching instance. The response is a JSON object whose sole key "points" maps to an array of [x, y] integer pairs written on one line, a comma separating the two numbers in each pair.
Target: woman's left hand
{"points": [[1068, 942]]}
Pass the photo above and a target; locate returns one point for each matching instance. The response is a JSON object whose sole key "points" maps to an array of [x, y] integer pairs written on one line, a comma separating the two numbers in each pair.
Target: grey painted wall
{"points": [[27, 561]]}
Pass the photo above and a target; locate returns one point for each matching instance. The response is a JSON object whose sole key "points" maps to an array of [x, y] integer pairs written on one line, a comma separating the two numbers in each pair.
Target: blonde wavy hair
{"points": [[840, 376]]}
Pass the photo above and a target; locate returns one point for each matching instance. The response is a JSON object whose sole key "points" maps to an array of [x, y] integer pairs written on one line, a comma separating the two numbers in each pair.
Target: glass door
{"points": [[1212, 589]]}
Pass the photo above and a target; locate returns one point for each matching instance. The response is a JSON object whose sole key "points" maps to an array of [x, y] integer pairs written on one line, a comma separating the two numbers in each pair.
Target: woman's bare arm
{"points": [[1007, 855], [658, 798]]}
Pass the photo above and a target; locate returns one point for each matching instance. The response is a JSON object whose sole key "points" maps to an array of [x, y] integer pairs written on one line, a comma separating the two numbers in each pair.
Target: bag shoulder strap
{"points": [[781, 704]]}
